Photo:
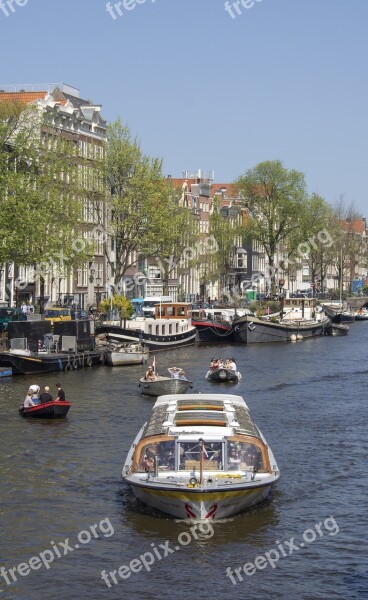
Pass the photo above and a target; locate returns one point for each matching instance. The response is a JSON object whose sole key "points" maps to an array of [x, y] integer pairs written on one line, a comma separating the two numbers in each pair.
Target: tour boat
{"points": [[126, 354], [171, 327], [49, 410], [200, 456]]}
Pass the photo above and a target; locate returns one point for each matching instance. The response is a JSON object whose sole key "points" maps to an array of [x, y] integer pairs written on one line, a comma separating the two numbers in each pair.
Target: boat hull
{"points": [[127, 357], [39, 363], [222, 375], [163, 386], [6, 372], [200, 503], [50, 410], [251, 330], [337, 316], [153, 342], [213, 331]]}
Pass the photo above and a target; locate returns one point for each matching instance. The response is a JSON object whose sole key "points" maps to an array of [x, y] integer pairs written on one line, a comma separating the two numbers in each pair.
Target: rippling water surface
{"points": [[58, 479]]}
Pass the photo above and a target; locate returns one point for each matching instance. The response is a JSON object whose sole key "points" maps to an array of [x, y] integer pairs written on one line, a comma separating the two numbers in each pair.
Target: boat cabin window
{"points": [[244, 456], [165, 456], [190, 456]]}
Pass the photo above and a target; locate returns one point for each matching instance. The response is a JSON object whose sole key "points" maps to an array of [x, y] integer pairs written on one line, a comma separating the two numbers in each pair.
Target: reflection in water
{"points": [[59, 478]]}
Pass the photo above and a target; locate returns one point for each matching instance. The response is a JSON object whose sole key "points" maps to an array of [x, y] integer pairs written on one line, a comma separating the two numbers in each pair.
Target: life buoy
{"points": [[75, 364], [68, 367], [89, 362]]}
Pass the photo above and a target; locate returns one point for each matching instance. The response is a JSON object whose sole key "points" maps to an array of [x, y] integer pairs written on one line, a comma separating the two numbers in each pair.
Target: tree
{"points": [[225, 226], [120, 303], [275, 198], [351, 245], [40, 195], [174, 237], [136, 204]]}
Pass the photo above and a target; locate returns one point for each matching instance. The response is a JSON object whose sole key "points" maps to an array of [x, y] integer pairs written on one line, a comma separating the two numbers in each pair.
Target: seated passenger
{"points": [[28, 400], [182, 375], [234, 459], [46, 396], [150, 374]]}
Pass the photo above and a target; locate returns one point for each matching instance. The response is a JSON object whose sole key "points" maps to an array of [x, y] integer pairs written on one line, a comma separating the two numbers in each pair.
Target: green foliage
{"points": [[119, 303], [276, 199], [40, 194]]}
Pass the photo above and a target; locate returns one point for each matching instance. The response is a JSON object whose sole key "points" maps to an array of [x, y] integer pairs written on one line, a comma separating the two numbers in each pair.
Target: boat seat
{"points": [[212, 465]]}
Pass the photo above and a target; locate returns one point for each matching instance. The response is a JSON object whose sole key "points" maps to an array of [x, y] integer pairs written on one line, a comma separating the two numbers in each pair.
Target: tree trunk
{"points": [[42, 295]]}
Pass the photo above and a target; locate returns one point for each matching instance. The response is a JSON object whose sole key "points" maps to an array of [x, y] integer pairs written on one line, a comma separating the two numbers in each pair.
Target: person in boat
{"points": [[150, 375], [234, 459], [215, 364], [227, 364], [182, 375], [28, 399], [232, 364], [61, 394], [28, 402], [35, 389], [45, 396], [220, 363], [175, 372]]}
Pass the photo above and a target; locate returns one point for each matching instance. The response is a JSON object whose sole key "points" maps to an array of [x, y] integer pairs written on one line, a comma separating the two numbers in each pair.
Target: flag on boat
{"points": [[154, 364]]}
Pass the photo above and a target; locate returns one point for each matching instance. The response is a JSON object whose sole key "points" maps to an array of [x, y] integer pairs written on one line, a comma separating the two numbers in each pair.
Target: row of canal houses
{"points": [[81, 121]]}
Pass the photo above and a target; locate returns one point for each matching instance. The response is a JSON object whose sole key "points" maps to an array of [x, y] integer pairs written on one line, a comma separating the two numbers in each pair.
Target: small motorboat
{"points": [[126, 354], [6, 372], [200, 456], [153, 384], [223, 374], [361, 314], [164, 385], [49, 410]]}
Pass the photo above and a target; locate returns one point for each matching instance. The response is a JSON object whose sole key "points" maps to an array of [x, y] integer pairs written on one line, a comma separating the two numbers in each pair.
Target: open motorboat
{"points": [[200, 456], [222, 374], [158, 385], [49, 410]]}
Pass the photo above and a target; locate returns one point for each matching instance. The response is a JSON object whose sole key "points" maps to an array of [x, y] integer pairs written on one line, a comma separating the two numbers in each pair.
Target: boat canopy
{"points": [[215, 410]]}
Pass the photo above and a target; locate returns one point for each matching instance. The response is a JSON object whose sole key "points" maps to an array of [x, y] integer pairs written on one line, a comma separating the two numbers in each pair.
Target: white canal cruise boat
{"points": [[200, 456]]}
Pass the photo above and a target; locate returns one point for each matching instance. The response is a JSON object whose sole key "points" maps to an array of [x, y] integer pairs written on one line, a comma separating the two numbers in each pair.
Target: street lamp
{"points": [[98, 298]]}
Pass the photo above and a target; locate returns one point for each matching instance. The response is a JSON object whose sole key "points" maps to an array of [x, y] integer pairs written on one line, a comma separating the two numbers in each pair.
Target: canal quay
{"points": [[63, 498]]}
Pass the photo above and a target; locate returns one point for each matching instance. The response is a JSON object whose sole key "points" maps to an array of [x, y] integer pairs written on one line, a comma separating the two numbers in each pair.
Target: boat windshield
{"points": [[244, 456], [190, 456], [164, 453]]}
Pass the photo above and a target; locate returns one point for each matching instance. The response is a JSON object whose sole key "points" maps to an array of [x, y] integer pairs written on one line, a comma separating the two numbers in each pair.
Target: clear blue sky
{"points": [[286, 79]]}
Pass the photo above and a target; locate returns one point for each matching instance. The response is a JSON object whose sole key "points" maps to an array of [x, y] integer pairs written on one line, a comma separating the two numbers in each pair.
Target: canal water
{"points": [[65, 510]]}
